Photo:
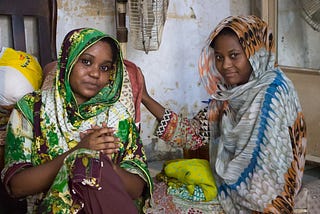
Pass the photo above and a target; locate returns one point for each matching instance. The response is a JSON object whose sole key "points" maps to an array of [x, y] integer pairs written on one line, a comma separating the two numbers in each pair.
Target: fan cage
{"points": [[146, 21], [311, 13]]}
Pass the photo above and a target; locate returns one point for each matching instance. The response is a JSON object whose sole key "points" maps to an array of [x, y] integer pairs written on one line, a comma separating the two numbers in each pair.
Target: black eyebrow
{"points": [[105, 61]]}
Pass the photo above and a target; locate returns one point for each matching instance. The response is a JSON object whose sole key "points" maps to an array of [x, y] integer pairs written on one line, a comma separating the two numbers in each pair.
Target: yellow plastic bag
{"points": [[20, 73]]}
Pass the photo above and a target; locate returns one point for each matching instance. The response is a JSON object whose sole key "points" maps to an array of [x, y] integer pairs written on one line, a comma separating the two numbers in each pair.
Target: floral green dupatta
{"points": [[58, 120]]}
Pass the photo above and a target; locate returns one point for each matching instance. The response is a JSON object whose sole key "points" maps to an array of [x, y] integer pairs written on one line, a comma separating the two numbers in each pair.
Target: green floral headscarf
{"points": [[74, 44]]}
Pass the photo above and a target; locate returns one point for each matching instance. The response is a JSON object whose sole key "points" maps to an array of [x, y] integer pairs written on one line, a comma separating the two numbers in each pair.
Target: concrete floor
{"points": [[311, 172]]}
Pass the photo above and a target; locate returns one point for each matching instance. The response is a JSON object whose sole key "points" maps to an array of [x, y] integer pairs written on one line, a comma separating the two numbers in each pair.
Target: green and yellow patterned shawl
{"points": [[47, 123]]}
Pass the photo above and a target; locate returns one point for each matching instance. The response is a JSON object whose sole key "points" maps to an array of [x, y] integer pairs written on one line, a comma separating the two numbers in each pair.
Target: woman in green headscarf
{"points": [[74, 148]]}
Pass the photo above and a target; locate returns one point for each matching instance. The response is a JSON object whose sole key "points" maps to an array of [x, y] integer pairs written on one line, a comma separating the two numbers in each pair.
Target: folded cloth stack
{"points": [[189, 179]]}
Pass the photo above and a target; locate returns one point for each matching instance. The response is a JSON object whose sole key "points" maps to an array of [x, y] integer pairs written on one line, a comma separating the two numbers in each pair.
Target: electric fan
{"points": [[146, 22], [311, 13]]}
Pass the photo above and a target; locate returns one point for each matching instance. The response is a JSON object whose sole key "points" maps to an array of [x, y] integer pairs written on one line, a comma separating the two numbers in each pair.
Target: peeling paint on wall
{"points": [[85, 8], [182, 10], [85, 13], [192, 15]]}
